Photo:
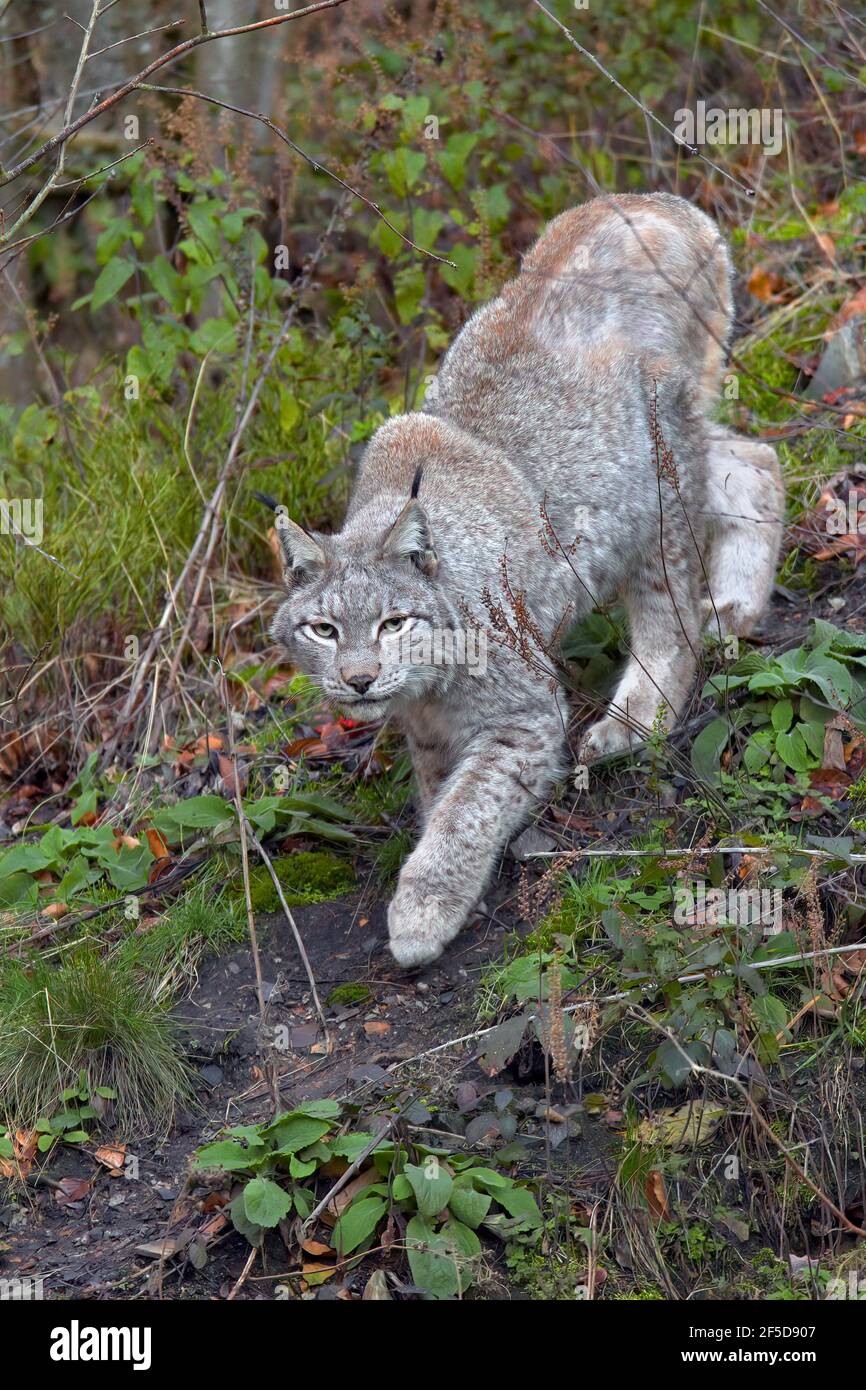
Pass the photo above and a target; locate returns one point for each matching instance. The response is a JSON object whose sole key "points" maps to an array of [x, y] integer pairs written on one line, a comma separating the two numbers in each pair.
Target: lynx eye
{"points": [[392, 624], [326, 630]]}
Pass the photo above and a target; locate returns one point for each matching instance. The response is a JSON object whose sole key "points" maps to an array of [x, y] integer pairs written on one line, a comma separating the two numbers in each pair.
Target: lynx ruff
{"points": [[620, 316]]}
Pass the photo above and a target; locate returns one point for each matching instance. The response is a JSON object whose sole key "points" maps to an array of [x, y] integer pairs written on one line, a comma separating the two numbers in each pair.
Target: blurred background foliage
{"points": [[130, 333]]}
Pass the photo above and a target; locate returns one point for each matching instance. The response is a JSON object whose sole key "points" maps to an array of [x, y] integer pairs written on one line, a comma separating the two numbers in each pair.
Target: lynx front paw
{"points": [[420, 925], [605, 738], [736, 618]]}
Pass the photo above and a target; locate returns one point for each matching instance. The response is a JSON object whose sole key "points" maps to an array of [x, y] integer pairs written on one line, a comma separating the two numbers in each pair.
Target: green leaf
{"points": [[265, 1203], [197, 812], [357, 1223], [813, 737], [467, 1205], [409, 286], [251, 1230], [431, 1184], [791, 748], [452, 160], [314, 1110], [296, 1132], [203, 224], [518, 1201], [708, 747], [460, 276], [226, 1154], [488, 1179], [404, 168], [213, 333], [18, 892], [350, 1146], [167, 283], [442, 1262], [782, 716], [110, 281], [432, 1268], [756, 754]]}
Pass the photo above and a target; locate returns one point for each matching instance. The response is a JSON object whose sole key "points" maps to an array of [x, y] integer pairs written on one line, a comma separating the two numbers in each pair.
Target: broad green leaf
{"points": [[791, 748], [518, 1201], [251, 1230], [467, 1205], [110, 281], [226, 1154], [357, 1222], [452, 160], [782, 716], [265, 1203], [197, 812], [708, 747], [295, 1133], [404, 167], [19, 892], [431, 1185]]}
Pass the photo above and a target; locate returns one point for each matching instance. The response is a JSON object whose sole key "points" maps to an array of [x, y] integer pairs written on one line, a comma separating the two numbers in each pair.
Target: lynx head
{"points": [[363, 611]]}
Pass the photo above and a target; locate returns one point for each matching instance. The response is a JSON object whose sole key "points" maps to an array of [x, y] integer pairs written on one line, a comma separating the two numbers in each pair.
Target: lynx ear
{"points": [[302, 553], [409, 538]]}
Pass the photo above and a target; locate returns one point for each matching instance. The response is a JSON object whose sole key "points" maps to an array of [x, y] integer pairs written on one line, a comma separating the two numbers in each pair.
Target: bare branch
{"points": [[179, 51], [51, 183], [144, 34]]}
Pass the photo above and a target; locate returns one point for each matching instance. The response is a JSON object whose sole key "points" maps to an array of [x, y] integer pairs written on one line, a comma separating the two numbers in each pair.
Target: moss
{"points": [[348, 994], [310, 876]]}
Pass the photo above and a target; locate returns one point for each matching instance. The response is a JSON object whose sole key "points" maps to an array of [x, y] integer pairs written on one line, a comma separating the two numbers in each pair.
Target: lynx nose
{"points": [[360, 680]]}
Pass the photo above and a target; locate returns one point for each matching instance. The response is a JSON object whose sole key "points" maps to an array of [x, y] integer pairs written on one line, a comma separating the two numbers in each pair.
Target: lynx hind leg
{"points": [[664, 621], [746, 502]]}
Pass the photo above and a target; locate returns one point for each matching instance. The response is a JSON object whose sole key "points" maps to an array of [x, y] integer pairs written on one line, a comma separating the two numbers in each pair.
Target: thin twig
{"points": [[243, 1274], [302, 951], [352, 1169], [314, 164], [693, 149]]}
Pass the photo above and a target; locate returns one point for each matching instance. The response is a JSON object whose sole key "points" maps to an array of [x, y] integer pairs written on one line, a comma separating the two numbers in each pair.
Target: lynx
{"points": [[582, 392]]}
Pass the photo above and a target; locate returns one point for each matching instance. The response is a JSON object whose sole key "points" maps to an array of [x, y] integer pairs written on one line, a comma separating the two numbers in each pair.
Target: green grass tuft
{"points": [[96, 1013]]}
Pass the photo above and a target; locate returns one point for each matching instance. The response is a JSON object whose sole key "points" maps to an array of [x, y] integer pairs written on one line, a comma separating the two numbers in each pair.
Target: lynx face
{"points": [[362, 620]]}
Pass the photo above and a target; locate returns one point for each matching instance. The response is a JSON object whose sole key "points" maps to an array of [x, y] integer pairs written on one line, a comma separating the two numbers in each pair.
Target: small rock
{"points": [[843, 363], [212, 1074], [167, 1194], [376, 1288], [530, 841]]}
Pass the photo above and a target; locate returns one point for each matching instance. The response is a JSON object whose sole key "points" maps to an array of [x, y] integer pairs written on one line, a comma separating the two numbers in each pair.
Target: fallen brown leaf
{"points": [[316, 1247], [765, 284], [376, 1028], [656, 1196], [72, 1190], [111, 1156], [158, 847]]}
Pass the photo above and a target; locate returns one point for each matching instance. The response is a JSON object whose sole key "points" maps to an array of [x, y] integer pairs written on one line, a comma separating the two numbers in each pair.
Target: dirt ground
{"points": [[90, 1234]]}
